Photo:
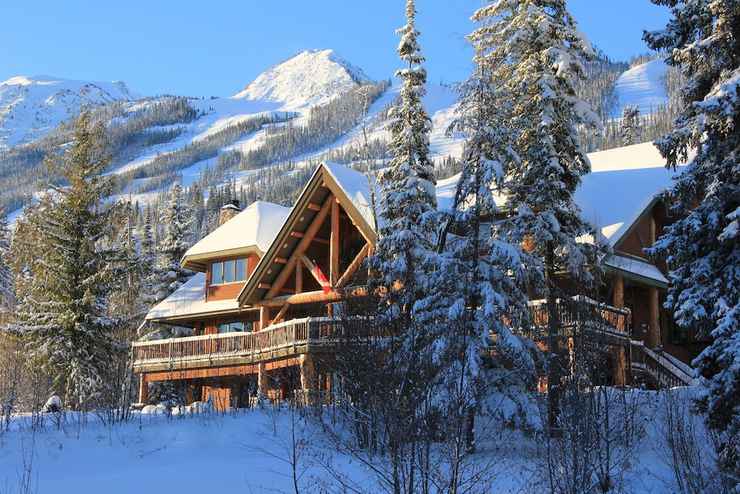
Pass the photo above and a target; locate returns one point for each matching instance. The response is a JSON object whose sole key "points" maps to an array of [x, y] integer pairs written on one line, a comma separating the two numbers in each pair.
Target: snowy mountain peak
{"points": [[32, 106], [311, 77]]}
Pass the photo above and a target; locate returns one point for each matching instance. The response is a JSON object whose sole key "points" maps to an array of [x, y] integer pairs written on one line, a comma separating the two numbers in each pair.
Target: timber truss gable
{"points": [[315, 256]]}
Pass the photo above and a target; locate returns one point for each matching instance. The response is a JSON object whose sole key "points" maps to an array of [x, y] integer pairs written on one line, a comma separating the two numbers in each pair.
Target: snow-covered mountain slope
{"points": [[32, 106], [642, 86], [309, 78], [284, 95]]}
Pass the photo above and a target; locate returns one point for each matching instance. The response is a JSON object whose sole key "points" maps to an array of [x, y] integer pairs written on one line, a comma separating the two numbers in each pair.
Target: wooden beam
{"points": [[280, 260], [299, 277], [280, 314], [264, 286], [264, 317], [316, 272], [300, 248], [178, 375], [297, 234], [353, 266], [314, 297], [334, 245], [320, 240], [313, 207]]}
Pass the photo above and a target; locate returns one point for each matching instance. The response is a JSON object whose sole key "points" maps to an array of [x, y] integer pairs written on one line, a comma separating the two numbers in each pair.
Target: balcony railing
{"points": [[289, 338], [584, 311], [665, 370], [298, 336]]}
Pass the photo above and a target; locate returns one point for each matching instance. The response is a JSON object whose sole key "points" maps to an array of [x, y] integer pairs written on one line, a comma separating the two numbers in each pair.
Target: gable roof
{"points": [[624, 182], [252, 230], [351, 188]]}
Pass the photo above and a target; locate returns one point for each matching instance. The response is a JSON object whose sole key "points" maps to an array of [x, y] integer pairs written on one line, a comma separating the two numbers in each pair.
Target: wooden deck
{"points": [[583, 313], [300, 336], [288, 339]]}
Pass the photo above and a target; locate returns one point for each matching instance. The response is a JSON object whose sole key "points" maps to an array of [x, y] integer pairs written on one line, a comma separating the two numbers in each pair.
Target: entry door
{"points": [[220, 397]]}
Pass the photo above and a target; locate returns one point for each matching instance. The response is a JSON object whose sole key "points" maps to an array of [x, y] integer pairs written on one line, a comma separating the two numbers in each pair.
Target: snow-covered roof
{"points": [[622, 183], [190, 300], [636, 267], [357, 186], [253, 228]]}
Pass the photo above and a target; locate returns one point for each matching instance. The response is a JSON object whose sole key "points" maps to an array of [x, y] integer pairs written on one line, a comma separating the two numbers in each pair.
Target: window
{"points": [[241, 269], [229, 271], [218, 273], [235, 327]]}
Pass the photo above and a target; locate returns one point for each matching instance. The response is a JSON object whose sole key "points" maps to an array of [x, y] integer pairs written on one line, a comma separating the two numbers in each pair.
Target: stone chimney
{"points": [[228, 211]]}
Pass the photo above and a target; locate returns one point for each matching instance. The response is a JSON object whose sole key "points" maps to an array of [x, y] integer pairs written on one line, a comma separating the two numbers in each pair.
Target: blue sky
{"points": [[216, 47]]}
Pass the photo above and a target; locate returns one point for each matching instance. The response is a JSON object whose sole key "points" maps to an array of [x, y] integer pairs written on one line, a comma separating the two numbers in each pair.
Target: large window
{"points": [[230, 271], [235, 327]]}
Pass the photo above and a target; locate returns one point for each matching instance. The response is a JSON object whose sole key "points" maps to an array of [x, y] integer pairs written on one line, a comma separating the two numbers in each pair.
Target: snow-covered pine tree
{"points": [[407, 188], [536, 54], [629, 127], [148, 249], [177, 222], [702, 247], [67, 271], [404, 259], [6, 276], [130, 260]]}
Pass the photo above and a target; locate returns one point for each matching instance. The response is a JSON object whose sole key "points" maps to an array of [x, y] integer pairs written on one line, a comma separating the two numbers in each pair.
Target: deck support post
{"points": [[621, 366], [308, 377], [653, 336], [262, 386], [143, 389], [618, 295]]}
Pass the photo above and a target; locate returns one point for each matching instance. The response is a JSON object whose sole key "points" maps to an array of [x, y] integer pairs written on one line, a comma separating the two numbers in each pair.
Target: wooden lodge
{"points": [[261, 305]]}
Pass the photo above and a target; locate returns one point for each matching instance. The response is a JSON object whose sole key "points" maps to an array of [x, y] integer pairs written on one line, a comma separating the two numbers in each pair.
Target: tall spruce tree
{"points": [[536, 55], [629, 127], [407, 195], [702, 248], [404, 260], [6, 277], [479, 280], [177, 222], [70, 271]]}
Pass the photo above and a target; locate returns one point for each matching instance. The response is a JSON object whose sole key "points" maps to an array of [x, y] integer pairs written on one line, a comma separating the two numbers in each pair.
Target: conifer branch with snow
{"points": [[702, 247]]}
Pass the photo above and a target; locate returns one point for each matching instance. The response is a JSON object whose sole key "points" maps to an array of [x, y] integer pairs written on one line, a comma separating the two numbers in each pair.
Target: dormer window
{"points": [[231, 271]]}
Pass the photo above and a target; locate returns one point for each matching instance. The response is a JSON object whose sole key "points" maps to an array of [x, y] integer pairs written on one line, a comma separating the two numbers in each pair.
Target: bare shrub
{"points": [[690, 446]]}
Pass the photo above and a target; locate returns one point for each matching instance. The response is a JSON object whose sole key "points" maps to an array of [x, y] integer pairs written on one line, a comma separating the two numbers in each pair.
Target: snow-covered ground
{"points": [[249, 451], [642, 86]]}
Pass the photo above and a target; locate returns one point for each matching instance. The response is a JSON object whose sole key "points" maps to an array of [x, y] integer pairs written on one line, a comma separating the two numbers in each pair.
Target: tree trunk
{"points": [[554, 370]]}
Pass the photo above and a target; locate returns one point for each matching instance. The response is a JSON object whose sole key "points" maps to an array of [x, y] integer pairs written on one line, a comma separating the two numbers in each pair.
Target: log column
{"points": [[308, 377], [621, 367], [653, 337], [618, 292], [262, 386], [620, 361], [143, 389]]}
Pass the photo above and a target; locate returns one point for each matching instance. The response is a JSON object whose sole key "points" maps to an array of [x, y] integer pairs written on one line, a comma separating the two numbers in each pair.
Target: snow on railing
{"points": [[583, 309], [275, 337], [664, 368]]}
